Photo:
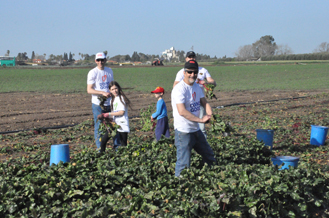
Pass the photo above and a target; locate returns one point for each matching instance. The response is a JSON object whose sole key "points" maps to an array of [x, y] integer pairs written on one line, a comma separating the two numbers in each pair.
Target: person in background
{"points": [[186, 100], [98, 81], [203, 78], [162, 126]]}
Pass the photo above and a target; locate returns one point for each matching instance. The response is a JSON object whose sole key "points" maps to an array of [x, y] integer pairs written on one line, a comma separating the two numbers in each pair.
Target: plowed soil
{"points": [[25, 111]]}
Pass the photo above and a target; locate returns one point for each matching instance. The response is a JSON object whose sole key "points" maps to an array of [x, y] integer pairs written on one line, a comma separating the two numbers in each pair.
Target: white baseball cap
{"points": [[100, 55]]}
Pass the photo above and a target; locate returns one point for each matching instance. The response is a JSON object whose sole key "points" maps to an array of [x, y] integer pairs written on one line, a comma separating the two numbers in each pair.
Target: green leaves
{"points": [[209, 90], [139, 180], [73, 193], [145, 120]]}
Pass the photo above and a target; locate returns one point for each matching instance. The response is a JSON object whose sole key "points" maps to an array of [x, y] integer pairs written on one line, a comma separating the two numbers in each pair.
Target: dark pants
{"points": [[123, 137], [162, 128]]}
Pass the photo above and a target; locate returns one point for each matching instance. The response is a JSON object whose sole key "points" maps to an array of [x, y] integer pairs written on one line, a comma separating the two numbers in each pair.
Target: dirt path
{"points": [[26, 110]]}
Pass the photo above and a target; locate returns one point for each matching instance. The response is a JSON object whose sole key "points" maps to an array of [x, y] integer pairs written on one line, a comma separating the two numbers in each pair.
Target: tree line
{"points": [[265, 49], [87, 58]]}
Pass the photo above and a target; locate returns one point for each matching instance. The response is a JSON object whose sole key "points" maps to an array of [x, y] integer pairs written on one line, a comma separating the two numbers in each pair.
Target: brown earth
{"points": [[28, 110]]}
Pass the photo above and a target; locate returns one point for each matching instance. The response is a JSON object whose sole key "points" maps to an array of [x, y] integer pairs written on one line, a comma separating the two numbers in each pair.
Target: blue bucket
{"points": [[318, 135], [287, 160], [266, 136], [59, 153]]}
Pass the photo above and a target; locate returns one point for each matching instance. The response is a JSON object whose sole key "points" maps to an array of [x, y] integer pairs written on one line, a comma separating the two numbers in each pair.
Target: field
{"points": [[58, 96], [138, 181]]}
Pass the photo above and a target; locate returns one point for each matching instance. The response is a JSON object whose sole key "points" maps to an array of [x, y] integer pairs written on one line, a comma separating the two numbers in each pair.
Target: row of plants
{"points": [[139, 181]]}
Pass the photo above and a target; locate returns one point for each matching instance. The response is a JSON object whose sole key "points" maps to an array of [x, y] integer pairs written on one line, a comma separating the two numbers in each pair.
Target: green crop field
{"points": [[139, 181], [248, 77]]}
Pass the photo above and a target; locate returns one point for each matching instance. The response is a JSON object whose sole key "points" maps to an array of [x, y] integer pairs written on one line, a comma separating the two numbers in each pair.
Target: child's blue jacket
{"points": [[161, 110]]}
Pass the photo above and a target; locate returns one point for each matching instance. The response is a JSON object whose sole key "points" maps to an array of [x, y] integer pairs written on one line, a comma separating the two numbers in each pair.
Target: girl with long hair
{"points": [[119, 114]]}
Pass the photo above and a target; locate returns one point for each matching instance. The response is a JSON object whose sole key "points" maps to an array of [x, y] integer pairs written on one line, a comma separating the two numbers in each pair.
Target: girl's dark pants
{"points": [[123, 140]]}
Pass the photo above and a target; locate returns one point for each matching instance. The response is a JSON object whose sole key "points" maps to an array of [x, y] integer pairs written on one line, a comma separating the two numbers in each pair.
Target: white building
{"points": [[169, 53]]}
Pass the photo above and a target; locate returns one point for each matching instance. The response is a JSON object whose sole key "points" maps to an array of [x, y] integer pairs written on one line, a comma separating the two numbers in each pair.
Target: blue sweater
{"points": [[161, 110]]}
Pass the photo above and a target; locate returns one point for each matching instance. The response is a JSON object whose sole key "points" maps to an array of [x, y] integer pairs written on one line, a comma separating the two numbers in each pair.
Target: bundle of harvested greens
{"points": [[102, 100], [107, 125], [209, 88]]}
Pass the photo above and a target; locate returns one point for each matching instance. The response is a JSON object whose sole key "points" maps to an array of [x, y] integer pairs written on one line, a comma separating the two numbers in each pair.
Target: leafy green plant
{"points": [[218, 126], [209, 90], [269, 123], [108, 126], [145, 120]]}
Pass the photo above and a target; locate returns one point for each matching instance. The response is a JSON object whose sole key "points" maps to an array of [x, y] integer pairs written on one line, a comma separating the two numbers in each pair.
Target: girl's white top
{"points": [[123, 120]]}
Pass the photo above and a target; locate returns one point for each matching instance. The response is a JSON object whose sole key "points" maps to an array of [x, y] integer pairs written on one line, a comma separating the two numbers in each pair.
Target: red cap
{"points": [[158, 90]]}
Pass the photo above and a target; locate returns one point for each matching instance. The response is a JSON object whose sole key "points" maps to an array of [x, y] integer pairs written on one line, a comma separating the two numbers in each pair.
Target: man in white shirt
{"points": [[98, 81], [202, 78], [186, 100]]}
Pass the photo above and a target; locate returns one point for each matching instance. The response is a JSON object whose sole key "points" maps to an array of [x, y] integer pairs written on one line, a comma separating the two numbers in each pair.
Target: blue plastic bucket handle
{"points": [[287, 160], [266, 136], [318, 135], [59, 153]]}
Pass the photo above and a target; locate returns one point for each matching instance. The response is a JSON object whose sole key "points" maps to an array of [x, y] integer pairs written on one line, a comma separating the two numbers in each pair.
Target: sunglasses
{"points": [[102, 60], [192, 71]]}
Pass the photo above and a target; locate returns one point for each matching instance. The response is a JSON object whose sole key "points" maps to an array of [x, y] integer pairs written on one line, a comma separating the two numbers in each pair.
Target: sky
{"points": [[212, 27]]}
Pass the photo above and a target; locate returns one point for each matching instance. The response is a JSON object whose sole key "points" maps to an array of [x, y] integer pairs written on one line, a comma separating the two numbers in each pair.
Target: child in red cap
{"points": [[162, 127]]}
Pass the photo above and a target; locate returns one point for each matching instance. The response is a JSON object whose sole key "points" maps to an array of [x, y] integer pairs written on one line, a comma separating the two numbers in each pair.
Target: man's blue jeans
{"points": [[184, 143], [97, 110]]}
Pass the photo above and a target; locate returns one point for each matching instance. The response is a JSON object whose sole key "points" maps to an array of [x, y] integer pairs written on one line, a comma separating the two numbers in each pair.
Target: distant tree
{"points": [[283, 50], [86, 57], [127, 58], [245, 52], [32, 56], [65, 57], [135, 57], [116, 58], [19, 56], [51, 57], [202, 57], [24, 56], [180, 55], [41, 57], [59, 58], [143, 57], [122, 58], [265, 46], [105, 52], [70, 57], [8, 52], [322, 48]]}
